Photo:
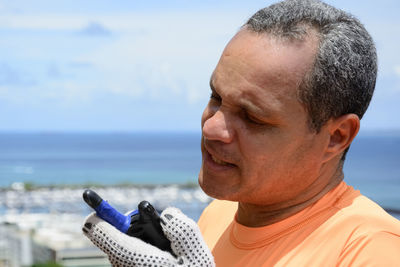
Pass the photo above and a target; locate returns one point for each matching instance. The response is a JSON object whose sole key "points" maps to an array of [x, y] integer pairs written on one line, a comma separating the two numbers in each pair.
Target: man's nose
{"points": [[217, 128]]}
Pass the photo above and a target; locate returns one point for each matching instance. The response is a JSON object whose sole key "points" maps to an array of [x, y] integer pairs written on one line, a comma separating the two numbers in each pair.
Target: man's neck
{"points": [[252, 215]]}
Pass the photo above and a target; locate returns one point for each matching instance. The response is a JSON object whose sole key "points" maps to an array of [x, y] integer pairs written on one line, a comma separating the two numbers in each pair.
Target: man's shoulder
{"points": [[355, 229], [366, 216], [373, 235]]}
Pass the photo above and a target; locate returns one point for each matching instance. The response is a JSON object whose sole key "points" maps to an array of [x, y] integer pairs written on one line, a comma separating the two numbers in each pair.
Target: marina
{"points": [[44, 225]]}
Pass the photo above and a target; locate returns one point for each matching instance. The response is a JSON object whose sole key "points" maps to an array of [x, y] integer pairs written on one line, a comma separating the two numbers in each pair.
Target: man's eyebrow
{"points": [[257, 108], [247, 105]]}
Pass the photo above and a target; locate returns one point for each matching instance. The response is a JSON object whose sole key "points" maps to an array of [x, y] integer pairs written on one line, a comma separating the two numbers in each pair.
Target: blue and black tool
{"points": [[143, 223]]}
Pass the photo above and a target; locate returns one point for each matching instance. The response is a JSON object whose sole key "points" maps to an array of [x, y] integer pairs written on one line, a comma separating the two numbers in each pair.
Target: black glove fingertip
{"points": [[168, 216], [88, 225]]}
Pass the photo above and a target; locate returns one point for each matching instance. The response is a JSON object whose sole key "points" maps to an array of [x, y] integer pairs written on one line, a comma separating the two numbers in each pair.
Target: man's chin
{"points": [[215, 191], [207, 188]]}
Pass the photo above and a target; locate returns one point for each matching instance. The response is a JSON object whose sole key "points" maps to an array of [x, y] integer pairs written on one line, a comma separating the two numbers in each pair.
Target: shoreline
{"points": [[31, 186], [23, 198], [68, 199]]}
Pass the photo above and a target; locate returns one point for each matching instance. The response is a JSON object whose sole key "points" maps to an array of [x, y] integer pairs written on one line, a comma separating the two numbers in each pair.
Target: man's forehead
{"points": [[253, 99], [262, 71], [266, 59]]}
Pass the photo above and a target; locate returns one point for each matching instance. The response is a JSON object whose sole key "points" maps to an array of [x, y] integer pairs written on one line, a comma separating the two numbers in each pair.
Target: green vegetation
{"points": [[31, 186], [46, 264]]}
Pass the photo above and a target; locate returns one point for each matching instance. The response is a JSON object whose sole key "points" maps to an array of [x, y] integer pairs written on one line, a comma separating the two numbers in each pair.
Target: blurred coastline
{"points": [[35, 161], [43, 224], [38, 171], [43, 176]]}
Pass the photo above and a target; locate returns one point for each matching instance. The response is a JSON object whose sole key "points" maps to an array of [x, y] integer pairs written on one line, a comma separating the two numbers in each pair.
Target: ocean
{"points": [[99, 158], [48, 159]]}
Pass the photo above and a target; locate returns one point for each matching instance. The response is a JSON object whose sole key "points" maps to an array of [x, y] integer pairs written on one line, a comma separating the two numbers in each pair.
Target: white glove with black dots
{"points": [[123, 250]]}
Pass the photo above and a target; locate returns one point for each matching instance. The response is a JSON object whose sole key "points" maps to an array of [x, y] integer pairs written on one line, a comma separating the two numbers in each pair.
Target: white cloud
{"points": [[158, 55], [397, 70], [40, 22], [172, 58], [124, 22], [151, 55], [95, 29]]}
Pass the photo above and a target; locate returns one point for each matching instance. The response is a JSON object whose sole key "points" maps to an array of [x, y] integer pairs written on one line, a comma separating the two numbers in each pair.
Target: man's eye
{"points": [[254, 120], [215, 96]]}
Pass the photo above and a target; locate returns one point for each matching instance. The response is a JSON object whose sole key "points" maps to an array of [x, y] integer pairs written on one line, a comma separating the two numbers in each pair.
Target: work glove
{"points": [[123, 250]]}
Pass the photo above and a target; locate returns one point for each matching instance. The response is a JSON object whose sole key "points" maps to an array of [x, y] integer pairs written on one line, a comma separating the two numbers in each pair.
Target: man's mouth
{"points": [[218, 161]]}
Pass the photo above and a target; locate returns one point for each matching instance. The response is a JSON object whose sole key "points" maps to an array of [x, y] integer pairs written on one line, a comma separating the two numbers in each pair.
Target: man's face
{"points": [[256, 144]]}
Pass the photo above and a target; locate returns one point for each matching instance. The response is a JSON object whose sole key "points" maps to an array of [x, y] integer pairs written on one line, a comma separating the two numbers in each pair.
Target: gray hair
{"points": [[343, 77]]}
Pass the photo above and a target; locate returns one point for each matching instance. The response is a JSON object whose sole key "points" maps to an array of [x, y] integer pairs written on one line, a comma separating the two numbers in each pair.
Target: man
{"points": [[286, 101]]}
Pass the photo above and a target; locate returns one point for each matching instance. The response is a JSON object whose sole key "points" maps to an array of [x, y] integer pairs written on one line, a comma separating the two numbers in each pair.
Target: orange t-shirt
{"points": [[343, 228]]}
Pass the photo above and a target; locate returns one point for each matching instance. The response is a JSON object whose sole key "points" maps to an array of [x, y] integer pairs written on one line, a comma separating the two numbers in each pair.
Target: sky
{"points": [[124, 66]]}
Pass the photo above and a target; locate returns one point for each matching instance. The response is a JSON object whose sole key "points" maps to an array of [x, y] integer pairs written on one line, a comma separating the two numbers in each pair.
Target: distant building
{"points": [[15, 250], [69, 255], [26, 239]]}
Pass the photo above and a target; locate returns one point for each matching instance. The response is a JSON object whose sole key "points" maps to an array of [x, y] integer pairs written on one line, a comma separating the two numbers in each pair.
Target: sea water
{"points": [[99, 158], [373, 167], [372, 164]]}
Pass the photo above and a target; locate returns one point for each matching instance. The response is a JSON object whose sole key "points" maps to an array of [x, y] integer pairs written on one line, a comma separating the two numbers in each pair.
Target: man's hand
{"points": [[123, 250]]}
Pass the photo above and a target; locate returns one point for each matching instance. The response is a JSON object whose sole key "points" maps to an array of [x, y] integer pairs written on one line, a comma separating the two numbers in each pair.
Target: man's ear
{"points": [[342, 131]]}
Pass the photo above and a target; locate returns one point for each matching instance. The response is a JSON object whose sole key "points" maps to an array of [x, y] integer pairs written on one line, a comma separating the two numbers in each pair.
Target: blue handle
{"points": [[115, 218]]}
